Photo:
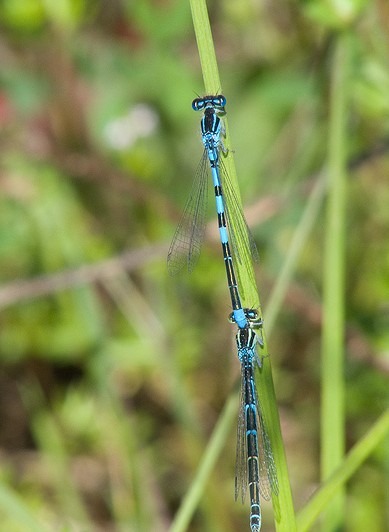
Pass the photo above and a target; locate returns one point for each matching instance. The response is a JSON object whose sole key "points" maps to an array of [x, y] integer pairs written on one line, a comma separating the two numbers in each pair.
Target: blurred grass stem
{"points": [[332, 349], [328, 490]]}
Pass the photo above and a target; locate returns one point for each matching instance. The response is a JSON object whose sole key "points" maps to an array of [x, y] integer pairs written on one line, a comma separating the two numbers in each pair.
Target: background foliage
{"points": [[112, 374]]}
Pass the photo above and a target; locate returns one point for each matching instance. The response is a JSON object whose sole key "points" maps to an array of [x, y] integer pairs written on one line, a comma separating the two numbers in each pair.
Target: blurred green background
{"points": [[112, 374]]}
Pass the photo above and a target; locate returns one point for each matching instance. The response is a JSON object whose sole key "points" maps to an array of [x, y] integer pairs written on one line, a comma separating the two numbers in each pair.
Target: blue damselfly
{"points": [[186, 243], [255, 465]]}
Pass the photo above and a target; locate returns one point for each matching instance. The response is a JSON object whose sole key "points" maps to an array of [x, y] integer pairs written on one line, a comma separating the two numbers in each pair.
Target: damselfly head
{"points": [[217, 102]]}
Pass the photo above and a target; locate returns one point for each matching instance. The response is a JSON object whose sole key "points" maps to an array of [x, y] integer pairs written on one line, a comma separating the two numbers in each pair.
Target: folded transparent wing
{"points": [[185, 248]]}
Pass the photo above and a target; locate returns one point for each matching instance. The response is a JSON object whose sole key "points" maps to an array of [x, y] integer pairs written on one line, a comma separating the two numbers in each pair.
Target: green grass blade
{"points": [[332, 358], [283, 504], [13, 506], [336, 481], [205, 46]]}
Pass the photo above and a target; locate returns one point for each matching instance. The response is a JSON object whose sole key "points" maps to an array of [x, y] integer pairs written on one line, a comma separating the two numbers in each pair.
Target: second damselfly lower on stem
{"points": [[185, 248], [255, 467]]}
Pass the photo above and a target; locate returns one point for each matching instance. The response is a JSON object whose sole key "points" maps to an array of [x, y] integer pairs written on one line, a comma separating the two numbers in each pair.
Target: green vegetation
{"points": [[118, 383]]}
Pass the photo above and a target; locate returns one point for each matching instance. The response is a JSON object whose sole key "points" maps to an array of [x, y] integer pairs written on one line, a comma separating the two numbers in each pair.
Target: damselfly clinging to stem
{"points": [[186, 244], [255, 465]]}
